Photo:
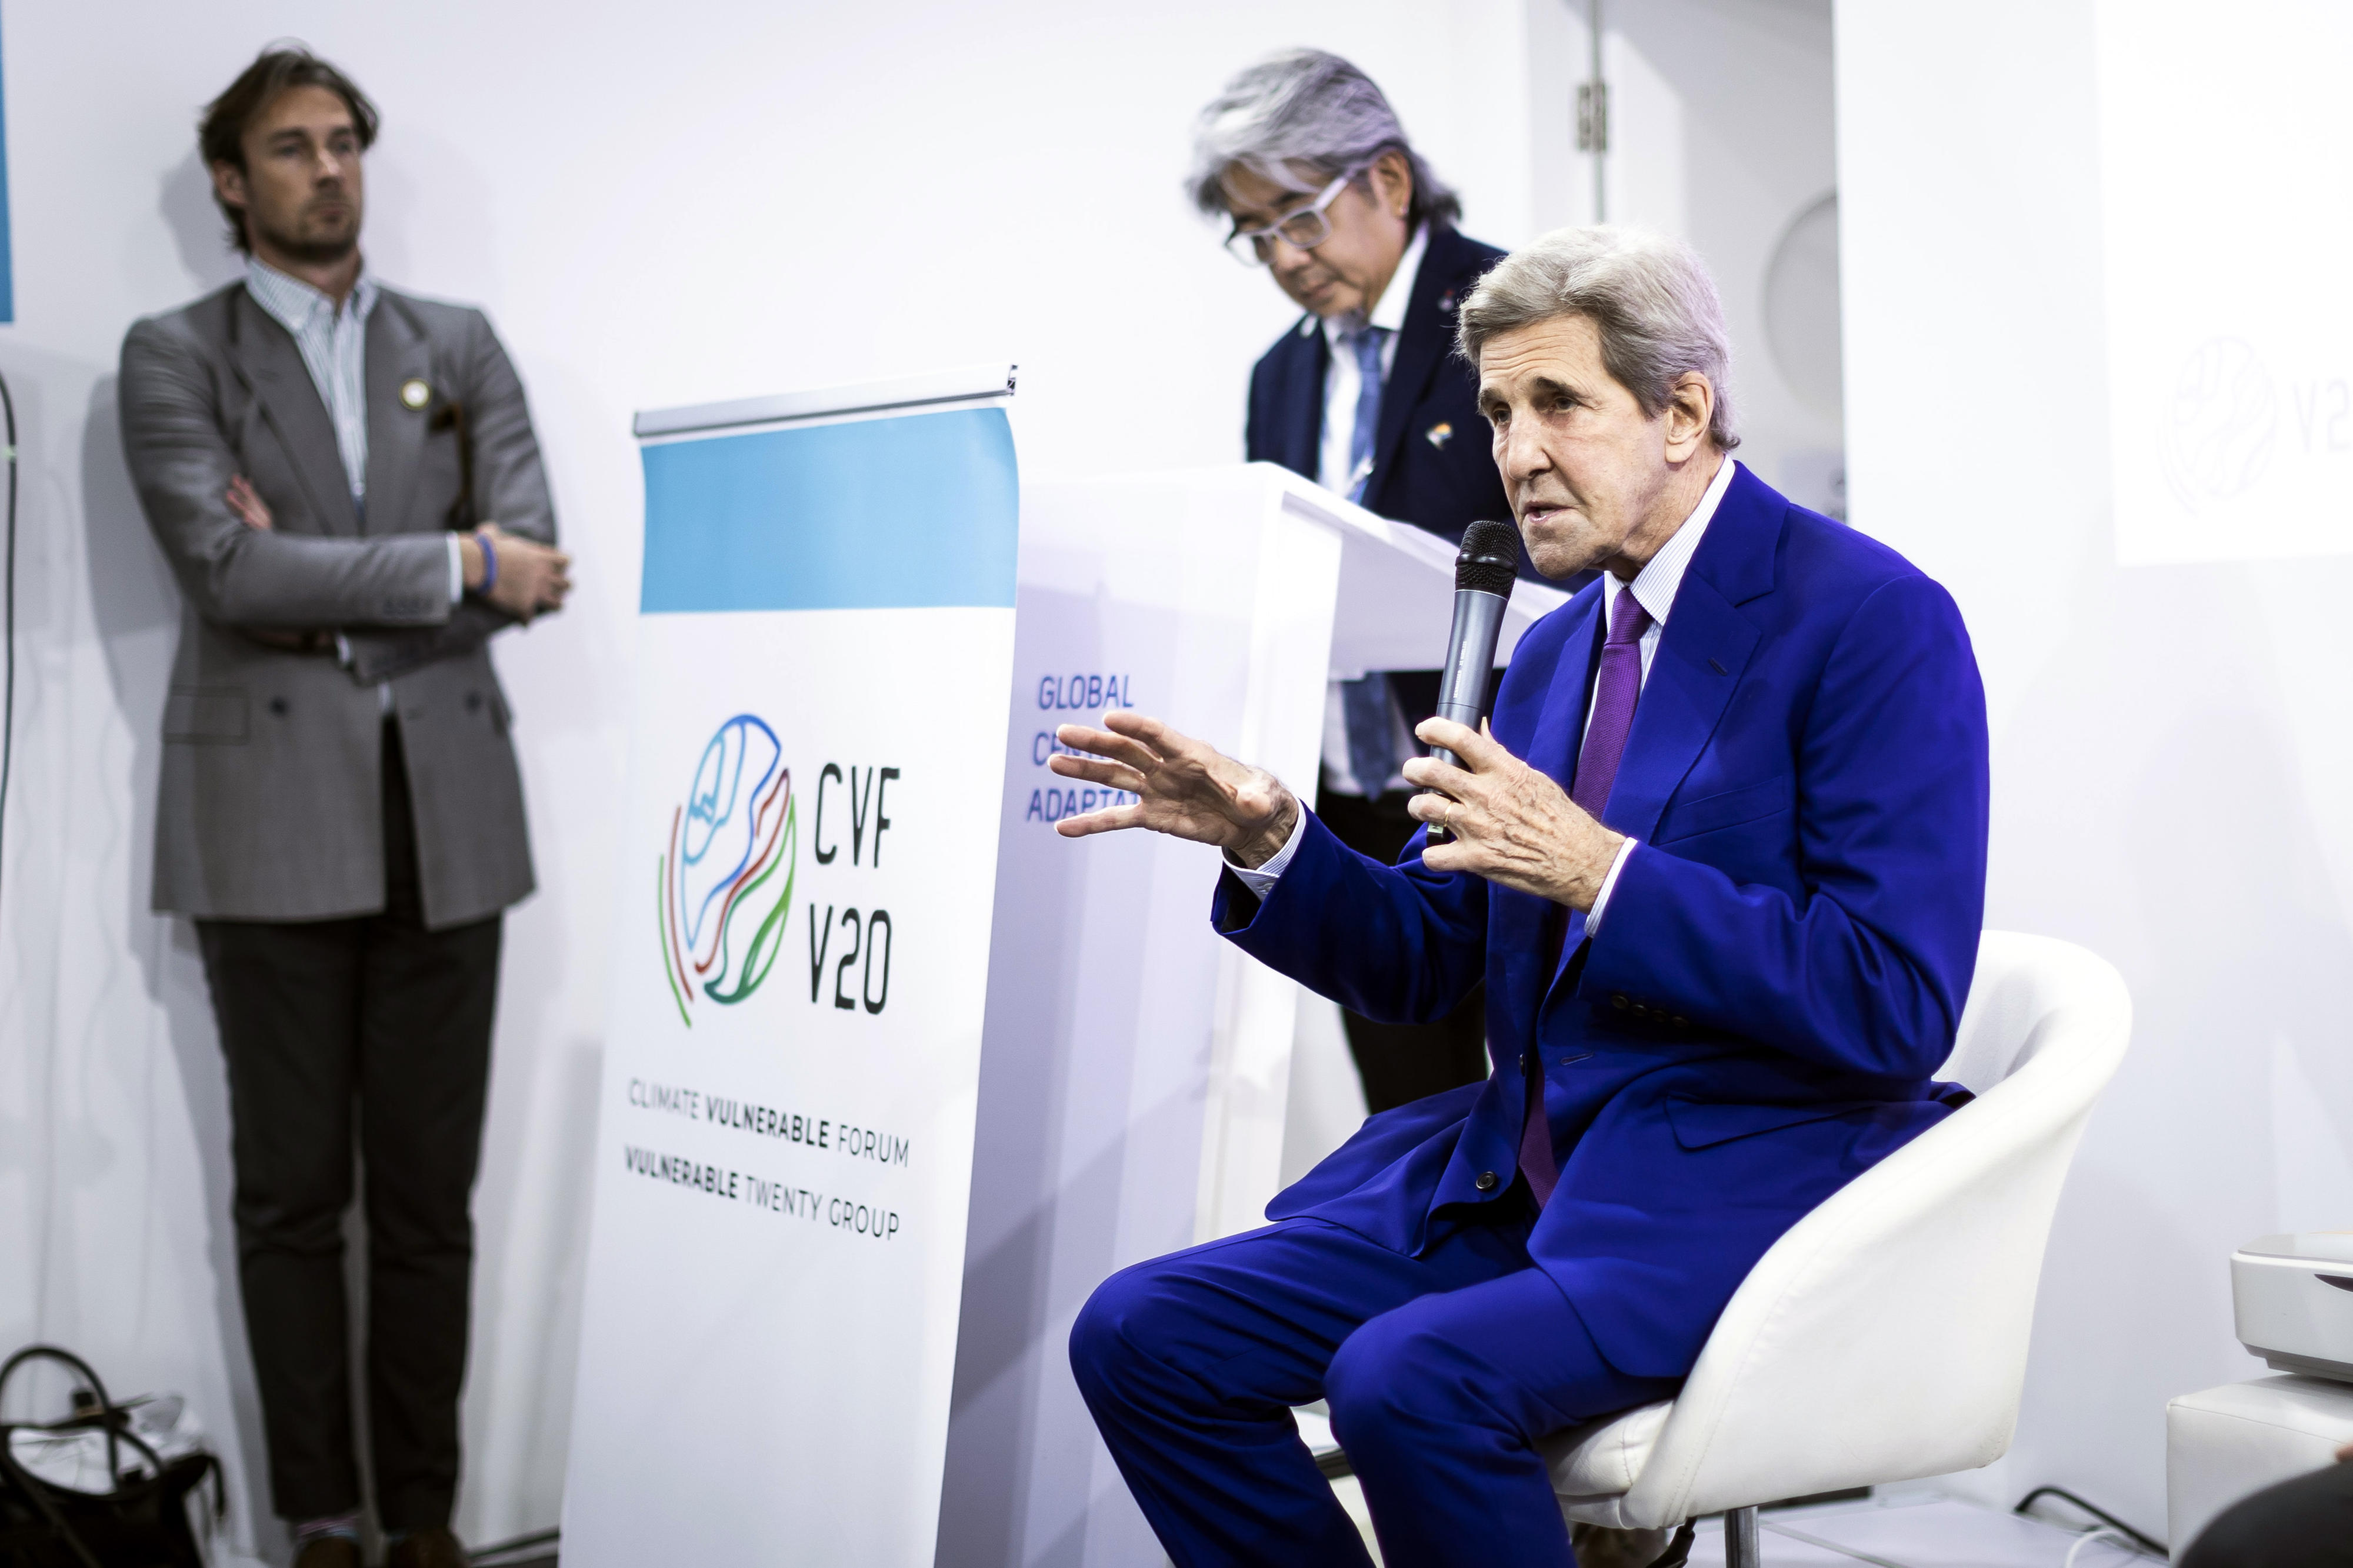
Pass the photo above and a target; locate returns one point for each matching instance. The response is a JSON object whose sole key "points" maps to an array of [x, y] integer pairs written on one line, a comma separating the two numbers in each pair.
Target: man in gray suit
{"points": [[346, 485]]}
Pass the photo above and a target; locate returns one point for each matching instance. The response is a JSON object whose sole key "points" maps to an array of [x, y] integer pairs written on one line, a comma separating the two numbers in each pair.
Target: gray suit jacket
{"points": [[269, 807]]}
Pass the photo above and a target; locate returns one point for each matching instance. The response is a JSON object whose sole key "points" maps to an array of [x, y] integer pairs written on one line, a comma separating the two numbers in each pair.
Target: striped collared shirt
{"points": [[1655, 587], [335, 346]]}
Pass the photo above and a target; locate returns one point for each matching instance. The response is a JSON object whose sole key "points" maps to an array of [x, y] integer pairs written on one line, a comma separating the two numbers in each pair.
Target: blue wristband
{"points": [[489, 564]]}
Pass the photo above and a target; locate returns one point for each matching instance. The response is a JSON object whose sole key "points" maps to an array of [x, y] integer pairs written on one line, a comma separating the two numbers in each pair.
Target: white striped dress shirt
{"points": [[335, 347], [333, 343]]}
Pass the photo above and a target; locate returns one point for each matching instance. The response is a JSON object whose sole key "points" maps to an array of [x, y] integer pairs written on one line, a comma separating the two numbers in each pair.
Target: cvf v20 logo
{"points": [[725, 893]]}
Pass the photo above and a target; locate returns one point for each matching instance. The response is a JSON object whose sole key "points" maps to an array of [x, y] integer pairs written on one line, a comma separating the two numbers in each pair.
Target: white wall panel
{"points": [[2169, 750], [658, 204], [1721, 132]]}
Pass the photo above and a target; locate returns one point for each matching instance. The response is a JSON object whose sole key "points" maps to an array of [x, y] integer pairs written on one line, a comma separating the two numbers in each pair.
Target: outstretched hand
{"points": [[1506, 820], [1183, 788]]}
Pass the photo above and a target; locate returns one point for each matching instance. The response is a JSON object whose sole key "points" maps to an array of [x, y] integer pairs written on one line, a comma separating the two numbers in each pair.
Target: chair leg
{"points": [[1740, 1539]]}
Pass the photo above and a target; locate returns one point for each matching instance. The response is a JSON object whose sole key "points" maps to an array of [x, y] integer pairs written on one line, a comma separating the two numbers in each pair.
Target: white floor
{"points": [[1913, 1530], [1916, 1531]]}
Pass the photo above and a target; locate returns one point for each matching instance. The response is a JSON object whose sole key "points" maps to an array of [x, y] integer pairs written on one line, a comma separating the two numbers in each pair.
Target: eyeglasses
{"points": [[1304, 227]]}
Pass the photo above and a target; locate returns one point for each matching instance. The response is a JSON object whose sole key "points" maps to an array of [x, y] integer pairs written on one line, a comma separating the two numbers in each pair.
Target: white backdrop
{"points": [[726, 197], [2171, 743], [658, 206]]}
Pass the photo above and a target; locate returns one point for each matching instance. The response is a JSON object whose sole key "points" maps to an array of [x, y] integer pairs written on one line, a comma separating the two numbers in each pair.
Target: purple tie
{"points": [[1615, 689]]}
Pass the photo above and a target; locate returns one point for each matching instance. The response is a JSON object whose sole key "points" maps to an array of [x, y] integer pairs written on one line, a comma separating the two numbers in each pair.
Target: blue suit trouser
{"points": [[1440, 1370]]}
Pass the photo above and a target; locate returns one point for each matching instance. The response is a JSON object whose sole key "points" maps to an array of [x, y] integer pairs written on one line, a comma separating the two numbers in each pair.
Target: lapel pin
{"points": [[1440, 434], [414, 394], [1446, 304]]}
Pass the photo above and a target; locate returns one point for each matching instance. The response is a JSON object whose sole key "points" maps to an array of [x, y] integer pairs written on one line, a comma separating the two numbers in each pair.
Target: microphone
{"points": [[1483, 574]]}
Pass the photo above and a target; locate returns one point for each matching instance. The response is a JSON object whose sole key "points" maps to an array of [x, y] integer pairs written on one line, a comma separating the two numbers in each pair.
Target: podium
{"points": [[1135, 1066], [846, 1209]]}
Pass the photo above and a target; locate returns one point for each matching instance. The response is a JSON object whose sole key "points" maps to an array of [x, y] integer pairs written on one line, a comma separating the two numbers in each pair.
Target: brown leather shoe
{"points": [[328, 1551], [1599, 1546], [426, 1549]]}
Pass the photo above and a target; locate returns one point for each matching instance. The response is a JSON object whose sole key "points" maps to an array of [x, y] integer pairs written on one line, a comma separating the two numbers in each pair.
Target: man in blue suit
{"points": [[1303, 155], [1721, 865]]}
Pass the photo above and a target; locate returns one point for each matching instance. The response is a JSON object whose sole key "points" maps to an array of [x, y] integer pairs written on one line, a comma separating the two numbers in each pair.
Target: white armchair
{"points": [[1884, 1337]]}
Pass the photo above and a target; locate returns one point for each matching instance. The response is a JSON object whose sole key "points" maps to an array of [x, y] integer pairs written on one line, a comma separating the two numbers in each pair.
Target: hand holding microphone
{"points": [[1483, 574], [1489, 813], [1190, 790], [1511, 824]]}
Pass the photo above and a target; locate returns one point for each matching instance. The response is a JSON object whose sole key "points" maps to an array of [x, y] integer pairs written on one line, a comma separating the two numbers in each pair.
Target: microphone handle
{"points": [[1470, 662]]}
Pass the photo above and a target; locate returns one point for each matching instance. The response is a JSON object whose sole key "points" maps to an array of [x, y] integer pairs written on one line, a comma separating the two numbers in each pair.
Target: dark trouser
{"points": [[2304, 1523], [1403, 1062], [378, 1021], [1441, 1371]]}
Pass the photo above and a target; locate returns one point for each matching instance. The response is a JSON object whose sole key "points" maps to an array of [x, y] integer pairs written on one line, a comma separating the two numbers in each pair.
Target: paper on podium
{"points": [[1395, 580]]}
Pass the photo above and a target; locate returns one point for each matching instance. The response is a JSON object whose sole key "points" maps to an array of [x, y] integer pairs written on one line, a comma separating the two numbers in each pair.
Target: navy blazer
{"points": [[1433, 462], [1783, 961]]}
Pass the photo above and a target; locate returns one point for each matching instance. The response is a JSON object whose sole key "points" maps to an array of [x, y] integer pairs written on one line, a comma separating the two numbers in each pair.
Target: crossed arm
{"points": [[389, 594], [533, 578]]}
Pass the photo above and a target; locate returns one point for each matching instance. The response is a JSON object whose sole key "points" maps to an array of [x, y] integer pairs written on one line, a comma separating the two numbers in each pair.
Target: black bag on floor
{"points": [[138, 1520]]}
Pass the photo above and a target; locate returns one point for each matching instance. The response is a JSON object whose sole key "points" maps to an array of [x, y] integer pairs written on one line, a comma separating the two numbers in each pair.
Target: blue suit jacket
{"points": [[1783, 961]]}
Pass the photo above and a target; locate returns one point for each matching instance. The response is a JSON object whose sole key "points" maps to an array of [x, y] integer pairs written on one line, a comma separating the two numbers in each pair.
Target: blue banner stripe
{"points": [[913, 512]]}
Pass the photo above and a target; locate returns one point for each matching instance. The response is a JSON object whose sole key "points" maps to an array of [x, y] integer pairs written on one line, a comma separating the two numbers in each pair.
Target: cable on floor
{"points": [[2146, 1544]]}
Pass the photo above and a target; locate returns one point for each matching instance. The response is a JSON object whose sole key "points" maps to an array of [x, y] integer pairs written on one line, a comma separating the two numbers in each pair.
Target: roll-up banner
{"points": [[824, 659]]}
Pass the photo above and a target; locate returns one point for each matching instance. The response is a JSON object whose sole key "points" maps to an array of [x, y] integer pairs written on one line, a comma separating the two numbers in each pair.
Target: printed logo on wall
{"points": [[721, 903], [2217, 428]]}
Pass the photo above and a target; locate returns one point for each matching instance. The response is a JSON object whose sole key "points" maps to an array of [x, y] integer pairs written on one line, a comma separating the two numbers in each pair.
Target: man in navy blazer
{"points": [[1430, 462], [1721, 866], [1304, 156]]}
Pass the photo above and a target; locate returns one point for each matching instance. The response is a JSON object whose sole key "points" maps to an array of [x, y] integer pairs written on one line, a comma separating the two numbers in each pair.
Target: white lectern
{"points": [[1135, 1066]]}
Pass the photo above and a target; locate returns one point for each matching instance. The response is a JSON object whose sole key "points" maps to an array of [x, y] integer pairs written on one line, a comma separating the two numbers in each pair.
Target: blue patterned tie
{"points": [[1365, 342], [1364, 702], [1372, 732]]}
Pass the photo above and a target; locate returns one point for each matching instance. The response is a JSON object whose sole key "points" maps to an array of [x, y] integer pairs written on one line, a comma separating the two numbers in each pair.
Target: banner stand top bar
{"points": [[971, 383]]}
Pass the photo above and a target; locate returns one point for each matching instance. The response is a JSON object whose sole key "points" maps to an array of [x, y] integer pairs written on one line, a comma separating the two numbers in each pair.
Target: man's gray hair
{"points": [[1299, 120], [1649, 297]]}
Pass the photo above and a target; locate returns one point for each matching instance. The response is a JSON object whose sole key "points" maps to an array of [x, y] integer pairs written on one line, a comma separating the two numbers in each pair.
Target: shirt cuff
{"points": [[1260, 879], [457, 571], [1608, 881]]}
